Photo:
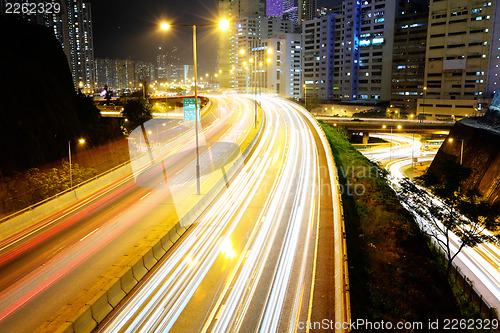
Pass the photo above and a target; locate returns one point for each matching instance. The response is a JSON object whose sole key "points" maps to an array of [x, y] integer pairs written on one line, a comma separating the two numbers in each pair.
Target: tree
{"points": [[464, 214], [312, 103], [90, 118], [137, 111]]}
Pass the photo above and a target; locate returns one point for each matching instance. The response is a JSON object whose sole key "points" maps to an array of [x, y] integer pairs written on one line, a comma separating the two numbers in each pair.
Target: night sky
{"points": [[129, 28]]}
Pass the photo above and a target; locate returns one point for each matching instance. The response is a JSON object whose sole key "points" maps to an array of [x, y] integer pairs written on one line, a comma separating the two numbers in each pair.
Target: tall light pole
{"points": [[81, 141], [412, 154], [305, 95], [423, 108], [390, 141], [461, 149], [223, 25]]}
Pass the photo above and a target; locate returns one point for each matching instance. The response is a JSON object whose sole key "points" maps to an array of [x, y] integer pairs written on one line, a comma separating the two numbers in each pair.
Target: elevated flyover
{"points": [[385, 125]]}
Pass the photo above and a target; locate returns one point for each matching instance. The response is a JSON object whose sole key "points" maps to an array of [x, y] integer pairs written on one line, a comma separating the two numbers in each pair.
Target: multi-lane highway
{"points": [[45, 266], [268, 253]]}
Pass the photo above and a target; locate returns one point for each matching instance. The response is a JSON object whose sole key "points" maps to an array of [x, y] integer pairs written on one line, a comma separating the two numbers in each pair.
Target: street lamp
{"points": [[305, 95], [390, 142], [423, 107], [461, 149], [80, 141], [223, 25], [254, 81]]}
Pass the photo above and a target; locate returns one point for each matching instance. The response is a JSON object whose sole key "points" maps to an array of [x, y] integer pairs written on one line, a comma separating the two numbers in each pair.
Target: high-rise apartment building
{"points": [[120, 74], [317, 56], [247, 8], [116, 74], [338, 56], [408, 62], [80, 43], [230, 41], [250, 30], [307, 10], [226, 45], [459, 58], [493, 78], [145, 72], [283, 71], [165, 59], [249, 24], [274, 8], [285, 9], [72, 27], [367, 50]]}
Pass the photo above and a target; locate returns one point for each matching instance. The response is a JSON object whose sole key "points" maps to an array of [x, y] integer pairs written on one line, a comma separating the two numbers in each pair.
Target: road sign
{"points": [[189, 109]]}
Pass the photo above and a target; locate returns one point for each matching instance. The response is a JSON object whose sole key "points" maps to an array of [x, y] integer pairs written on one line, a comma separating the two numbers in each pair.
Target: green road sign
{"points": [[189, 109]]}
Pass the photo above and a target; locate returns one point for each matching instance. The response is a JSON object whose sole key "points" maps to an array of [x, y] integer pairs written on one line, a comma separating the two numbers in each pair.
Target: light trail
{"points": [[482, 263], [270, 212], [39, 258]]}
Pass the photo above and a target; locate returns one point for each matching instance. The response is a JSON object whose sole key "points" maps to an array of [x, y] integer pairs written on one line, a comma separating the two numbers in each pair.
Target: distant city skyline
{"points": [[124, 29], [128, 28]]}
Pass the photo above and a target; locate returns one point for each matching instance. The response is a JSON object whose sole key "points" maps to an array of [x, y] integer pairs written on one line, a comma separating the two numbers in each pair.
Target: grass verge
{"points": [[393, 274]]}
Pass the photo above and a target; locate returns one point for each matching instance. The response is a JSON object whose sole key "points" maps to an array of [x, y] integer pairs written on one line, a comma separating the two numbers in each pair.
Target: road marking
{"points": [[145, 196], [89, 234], [221, 310]]}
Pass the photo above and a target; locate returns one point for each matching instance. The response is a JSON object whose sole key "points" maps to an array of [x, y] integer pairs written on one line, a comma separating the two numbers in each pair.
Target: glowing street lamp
{"points": [[223, 25], [390, 145], [305, 95], [80, 141], [450, 140], [423, 107]]}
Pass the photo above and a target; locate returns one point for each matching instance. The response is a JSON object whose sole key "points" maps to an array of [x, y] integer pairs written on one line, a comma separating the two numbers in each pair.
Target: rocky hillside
{"points": [[481, 153], [38, 112]]}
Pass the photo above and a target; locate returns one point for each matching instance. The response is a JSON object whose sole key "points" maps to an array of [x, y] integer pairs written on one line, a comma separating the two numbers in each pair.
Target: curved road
{"points": [[481, 264], [45, 266], [266, 255]]}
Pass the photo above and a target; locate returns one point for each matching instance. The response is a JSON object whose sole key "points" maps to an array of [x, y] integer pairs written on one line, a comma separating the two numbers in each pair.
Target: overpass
{"points": [[367, 125], [113, 109]]}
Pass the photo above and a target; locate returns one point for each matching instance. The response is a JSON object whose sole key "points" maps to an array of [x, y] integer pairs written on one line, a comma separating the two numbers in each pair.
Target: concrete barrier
{"points": [[94, 304]]}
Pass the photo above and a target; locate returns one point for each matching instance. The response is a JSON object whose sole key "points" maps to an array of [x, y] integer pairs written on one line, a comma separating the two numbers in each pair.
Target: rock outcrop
{"points": [[38, 110], [481, 151]]}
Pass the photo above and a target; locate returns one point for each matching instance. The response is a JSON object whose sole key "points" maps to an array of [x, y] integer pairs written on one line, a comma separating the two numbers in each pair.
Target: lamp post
{"points": [[412, 153], [81, 141], [253, 78], [461, 149], [423, 107], [223, 25], [305, 95], [390, 142]]}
